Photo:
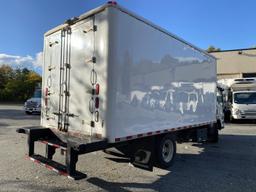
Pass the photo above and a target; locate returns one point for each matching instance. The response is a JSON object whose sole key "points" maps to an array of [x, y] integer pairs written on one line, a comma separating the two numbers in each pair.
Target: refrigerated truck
{"points": [[239, 98], [101, 70]]}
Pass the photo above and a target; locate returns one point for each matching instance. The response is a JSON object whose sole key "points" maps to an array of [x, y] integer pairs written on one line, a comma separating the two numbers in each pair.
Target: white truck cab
{"points": [[243, 105], [240, 98]]}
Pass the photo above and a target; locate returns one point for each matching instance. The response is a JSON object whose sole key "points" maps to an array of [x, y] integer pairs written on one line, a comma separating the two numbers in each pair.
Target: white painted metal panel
{"points": [[82, 45], [51, 75], [82, 51], [149, 80], [157, 82]]}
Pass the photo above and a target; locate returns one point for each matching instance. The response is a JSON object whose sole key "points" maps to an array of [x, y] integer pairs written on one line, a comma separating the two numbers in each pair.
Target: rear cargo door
{"points": [[69, 77], [51, 78], [83, 78]]}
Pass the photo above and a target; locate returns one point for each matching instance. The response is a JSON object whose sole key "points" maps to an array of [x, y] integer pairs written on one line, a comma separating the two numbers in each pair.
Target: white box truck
{"points": [[239, 98], [114, 79]]}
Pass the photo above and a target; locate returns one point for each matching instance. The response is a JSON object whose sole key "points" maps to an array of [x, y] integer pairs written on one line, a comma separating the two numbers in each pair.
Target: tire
{"points": [[227, 116], [165, 151], [213, 134], [28, 112], [231, 119]]}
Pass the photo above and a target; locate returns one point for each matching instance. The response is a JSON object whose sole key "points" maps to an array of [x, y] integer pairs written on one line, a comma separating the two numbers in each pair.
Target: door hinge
{"points": [[71, 115], [72, 20], [67, 93], [93, 28], [92, 60], [68, 65], [53, 43], [56, 113], [51, 67]]}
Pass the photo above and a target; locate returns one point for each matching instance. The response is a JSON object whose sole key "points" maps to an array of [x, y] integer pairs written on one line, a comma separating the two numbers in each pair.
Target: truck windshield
{"points": [[37, 94], [245, 98]]}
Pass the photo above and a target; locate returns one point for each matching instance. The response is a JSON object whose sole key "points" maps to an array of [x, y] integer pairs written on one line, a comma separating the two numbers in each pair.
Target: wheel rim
{"points": [[167, 151]]}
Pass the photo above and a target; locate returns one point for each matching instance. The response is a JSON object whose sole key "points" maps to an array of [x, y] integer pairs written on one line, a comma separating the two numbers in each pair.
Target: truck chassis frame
{"points": [[139, 149], [71, 148]]}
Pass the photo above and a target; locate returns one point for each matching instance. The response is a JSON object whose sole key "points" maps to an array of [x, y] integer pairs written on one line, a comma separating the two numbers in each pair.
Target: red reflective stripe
{"points": [[48, 167], [158, 132], [63, 173], [36, 161], [45, 142]]}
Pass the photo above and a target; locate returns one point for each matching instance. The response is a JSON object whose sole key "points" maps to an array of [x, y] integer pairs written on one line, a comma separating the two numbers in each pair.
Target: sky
{"points": [[226, 24]]}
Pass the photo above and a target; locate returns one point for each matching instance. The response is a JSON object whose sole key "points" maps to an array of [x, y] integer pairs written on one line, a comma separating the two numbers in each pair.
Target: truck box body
{"points": [[149, 80]]}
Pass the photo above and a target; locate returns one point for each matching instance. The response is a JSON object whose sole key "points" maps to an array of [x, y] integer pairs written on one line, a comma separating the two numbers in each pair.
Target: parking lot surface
{"points": [[229, 165]]}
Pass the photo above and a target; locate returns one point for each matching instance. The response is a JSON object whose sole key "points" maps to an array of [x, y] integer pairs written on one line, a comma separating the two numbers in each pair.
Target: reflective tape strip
{"points": [[160, 132], [50, 167], [54, 145]]}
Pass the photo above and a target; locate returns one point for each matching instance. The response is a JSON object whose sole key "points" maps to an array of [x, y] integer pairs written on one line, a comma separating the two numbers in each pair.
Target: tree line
{"points": [[17, 85]]}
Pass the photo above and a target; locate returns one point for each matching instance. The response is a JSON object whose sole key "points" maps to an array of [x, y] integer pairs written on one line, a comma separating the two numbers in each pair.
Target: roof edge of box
{"points": [[115, 5], [81, 17]]}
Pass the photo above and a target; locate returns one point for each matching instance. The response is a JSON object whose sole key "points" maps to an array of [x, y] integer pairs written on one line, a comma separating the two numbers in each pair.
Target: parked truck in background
{"points": [[239, 98], [114, 79], [220, 107], [33, 104]]}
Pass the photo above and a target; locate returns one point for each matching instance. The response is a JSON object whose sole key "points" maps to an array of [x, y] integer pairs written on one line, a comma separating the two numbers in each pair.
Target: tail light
{"points": [[97, 89]]}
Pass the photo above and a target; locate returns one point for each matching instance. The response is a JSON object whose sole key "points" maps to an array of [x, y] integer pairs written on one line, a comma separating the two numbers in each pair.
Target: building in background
{"points": [[236, 63]]}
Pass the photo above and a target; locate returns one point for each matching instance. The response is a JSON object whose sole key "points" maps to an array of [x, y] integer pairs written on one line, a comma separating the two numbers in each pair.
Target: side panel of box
{"points": [[156, 82]]}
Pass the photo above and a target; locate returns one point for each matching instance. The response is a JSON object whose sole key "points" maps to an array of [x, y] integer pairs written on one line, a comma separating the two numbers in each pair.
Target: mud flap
{"points": [[201, 134], [143, 153]]}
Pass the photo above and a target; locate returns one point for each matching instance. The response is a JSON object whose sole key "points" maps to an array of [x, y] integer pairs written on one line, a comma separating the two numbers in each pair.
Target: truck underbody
{"points": [[143, 153]]}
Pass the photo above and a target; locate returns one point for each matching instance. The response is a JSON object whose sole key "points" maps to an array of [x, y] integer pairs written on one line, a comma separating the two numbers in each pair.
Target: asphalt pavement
{"points": [[229, 165]]}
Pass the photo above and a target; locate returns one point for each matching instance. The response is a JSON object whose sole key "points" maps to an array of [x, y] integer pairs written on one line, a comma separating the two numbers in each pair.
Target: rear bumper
{"points": [[80, 144], [36, 109], [244, 116], [73, 147]]}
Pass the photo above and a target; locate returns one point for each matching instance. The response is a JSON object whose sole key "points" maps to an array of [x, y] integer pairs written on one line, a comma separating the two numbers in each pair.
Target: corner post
{"points": [[50, 151], [31, 145], [71, 160]]}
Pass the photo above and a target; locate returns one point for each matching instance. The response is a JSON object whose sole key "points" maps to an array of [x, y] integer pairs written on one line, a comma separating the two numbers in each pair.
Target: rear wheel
{"points": [[227, 116], [213, 133], [231, 119], [166, 151]]}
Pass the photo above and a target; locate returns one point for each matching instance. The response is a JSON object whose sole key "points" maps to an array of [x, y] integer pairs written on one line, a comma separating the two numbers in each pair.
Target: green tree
{"points": [[6, 73], [212, 49], [17, 84]]}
